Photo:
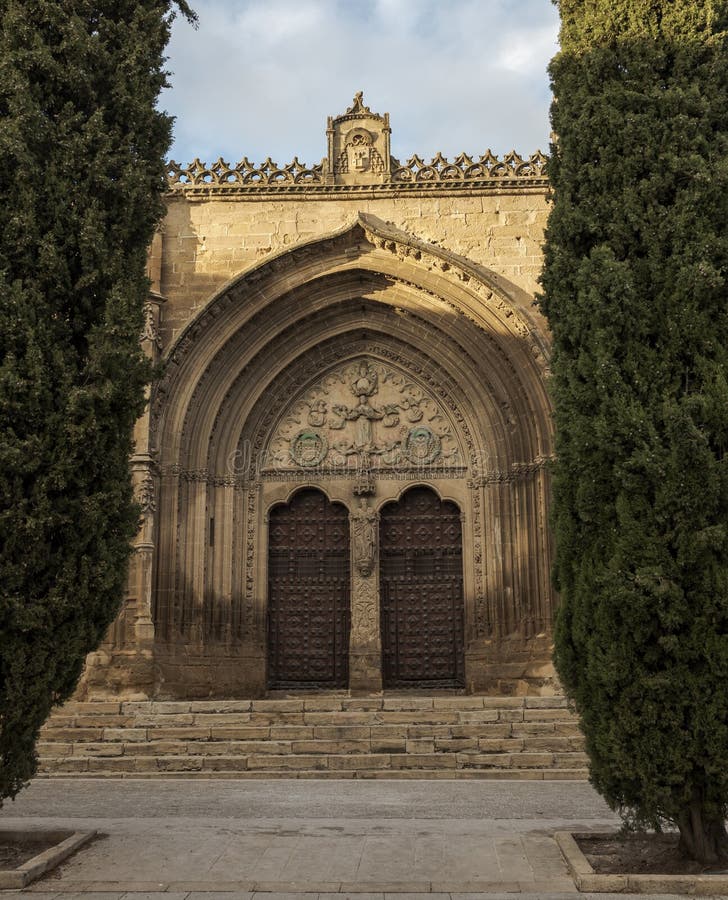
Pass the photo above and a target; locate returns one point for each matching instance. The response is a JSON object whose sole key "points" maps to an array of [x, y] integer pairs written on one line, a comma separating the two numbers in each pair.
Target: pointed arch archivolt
{"points": [[369, 275], [466, 335]]}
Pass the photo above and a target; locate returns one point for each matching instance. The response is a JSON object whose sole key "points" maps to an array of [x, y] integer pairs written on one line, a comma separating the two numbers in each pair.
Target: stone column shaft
{"points": [[365, 645]]}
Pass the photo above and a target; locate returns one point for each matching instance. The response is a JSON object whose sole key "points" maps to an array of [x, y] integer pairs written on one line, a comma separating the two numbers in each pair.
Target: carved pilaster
{"points": [[140, 570], [125, 667], [365, 646]]}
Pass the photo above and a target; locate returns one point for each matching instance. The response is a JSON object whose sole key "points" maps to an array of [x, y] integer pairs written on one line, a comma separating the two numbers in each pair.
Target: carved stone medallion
{"points": [[422, 445], [309, 448]]}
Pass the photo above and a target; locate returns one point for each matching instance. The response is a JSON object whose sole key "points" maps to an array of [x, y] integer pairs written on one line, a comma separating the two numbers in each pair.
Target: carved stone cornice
{"points": [[252, 479], [517, 472]]}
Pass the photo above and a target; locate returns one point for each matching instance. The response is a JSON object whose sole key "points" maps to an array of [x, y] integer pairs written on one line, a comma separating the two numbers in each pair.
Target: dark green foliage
{"points": [[81, 182], [636, 295]]}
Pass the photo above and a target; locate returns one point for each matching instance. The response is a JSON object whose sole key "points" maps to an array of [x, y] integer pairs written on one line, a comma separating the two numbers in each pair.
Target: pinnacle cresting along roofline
{"points": [[359, 159], [439, 171]]}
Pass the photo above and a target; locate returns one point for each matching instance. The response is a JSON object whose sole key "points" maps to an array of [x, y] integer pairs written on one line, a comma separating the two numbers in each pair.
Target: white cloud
{"points": [[259, 77]]}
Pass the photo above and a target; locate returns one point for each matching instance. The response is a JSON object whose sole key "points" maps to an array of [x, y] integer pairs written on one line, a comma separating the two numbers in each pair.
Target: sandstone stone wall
{"points": [[208, 241]]}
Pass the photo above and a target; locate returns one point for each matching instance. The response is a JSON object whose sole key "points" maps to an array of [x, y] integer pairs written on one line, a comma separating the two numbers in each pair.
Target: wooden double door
{"points": [[421, 593]]}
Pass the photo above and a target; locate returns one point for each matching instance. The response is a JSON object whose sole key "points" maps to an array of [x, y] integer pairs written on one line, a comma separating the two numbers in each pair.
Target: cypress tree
{"points": [[635, 289], [81, 186]]}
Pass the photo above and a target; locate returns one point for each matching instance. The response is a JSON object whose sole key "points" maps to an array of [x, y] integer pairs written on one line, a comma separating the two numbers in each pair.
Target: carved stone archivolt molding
{"points": [[502, 314]]}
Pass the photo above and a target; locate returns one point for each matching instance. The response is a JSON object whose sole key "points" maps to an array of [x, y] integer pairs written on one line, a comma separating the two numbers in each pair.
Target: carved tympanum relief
{"points": [[362, 416]]}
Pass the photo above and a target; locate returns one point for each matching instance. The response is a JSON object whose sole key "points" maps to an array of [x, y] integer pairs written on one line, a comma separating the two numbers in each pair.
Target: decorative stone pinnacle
{"points": [[357, 107]]}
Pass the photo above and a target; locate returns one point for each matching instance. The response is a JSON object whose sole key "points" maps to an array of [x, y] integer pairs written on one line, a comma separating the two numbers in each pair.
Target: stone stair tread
{"points": [[576, 774], [455, 736]]}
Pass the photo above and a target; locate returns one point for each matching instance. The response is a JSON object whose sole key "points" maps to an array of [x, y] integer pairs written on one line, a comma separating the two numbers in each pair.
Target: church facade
{"points": [[343, 468]]}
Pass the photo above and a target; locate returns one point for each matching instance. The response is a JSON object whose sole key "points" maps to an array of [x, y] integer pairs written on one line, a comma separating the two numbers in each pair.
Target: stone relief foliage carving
{"points": [[518, 472], [364, 618], [147, 496], [318, 410], [434, 380], [364, 416], [149, 331]]}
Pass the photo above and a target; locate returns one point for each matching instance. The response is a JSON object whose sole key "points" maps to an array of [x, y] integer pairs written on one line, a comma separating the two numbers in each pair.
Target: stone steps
{"points": [[317, 737]]}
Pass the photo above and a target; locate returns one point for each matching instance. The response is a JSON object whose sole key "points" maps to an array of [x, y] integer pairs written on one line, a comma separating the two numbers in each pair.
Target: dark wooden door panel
{"points": [[421, 571], [308, 593]]}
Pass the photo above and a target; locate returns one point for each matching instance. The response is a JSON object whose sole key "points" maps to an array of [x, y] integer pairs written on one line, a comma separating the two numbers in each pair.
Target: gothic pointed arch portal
{"points": [[356, 366]]}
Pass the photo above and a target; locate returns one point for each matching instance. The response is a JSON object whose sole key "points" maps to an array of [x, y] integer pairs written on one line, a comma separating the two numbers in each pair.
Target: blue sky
{"points": [[259, 77]]}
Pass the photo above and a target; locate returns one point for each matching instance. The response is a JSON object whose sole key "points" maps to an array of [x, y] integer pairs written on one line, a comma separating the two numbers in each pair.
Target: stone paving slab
{"points": [[223, 840], [257, 895]]}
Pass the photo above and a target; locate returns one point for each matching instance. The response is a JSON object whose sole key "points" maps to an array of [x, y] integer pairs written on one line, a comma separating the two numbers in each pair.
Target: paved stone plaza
{"points": [[178, 839]]}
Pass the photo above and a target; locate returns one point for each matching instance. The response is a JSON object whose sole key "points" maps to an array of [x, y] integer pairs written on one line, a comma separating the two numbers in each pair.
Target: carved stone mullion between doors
{"points": [[365, 643]]}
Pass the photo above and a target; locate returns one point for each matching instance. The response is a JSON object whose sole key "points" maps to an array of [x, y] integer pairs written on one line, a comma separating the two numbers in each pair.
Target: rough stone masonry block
{"points": [[125, 734], [424, 761], [282, 763], [180, 764], [225, 764], [330, 747], [342, 732], [362, 761]]}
